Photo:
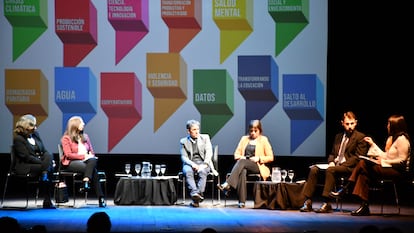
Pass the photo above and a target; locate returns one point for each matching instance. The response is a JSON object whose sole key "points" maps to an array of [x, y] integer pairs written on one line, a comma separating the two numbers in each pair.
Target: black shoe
{"points": [[48, 205], [325, 208], [241, 205], [201, 197], [338, 194], [363, 210], [196, 197], [102, 202], [307, 206]]}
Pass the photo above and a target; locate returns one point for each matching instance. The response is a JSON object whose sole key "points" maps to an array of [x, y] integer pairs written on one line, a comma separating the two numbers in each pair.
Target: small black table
{"points": [[278, 196], [145, 191]]}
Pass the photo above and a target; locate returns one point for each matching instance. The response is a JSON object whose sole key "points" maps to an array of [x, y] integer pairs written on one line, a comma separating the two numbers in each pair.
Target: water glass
{"points": [[291, 174], [127, 168], [157, 169], [137, 168], [163, 169], [283, 173]]}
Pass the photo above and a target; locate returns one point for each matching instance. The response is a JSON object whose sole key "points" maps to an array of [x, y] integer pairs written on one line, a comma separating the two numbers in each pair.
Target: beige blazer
{"points": [[263, 150]]}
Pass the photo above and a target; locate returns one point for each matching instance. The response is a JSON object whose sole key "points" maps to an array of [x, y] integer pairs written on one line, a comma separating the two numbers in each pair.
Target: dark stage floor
{"points": [[182, 218]]}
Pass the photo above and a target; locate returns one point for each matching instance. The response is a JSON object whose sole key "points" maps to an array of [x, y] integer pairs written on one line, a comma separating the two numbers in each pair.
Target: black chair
{"points": [[340, 183], [28, 179], [382, 184], [213, 177], [77, 177]]}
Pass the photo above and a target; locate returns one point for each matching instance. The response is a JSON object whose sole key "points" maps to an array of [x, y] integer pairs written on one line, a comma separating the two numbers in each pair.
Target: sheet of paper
{"points": [[374, 160], [323, 166]]}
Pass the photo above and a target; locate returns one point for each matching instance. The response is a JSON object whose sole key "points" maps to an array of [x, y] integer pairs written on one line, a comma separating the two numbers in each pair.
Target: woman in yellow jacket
{"points": [[252, 154]]}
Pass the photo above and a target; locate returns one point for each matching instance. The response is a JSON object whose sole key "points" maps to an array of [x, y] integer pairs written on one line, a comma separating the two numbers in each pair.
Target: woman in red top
{"points": [[78, 156]]}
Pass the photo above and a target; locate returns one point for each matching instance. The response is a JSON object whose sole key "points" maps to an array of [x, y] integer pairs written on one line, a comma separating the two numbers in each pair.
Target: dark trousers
{"points": [[36, 169], [331, 174], [88, 168], [237, 178]]}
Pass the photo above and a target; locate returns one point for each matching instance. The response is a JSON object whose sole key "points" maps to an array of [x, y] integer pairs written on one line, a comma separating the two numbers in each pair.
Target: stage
{"points": [[229, 218]]}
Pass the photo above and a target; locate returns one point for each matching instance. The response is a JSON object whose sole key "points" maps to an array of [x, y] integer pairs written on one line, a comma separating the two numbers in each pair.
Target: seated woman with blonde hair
{"points": [[79, 156]]}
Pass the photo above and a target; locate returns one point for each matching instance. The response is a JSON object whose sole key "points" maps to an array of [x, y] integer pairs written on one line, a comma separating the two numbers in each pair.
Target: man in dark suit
{"points": [[348, 146], [196, 153]]}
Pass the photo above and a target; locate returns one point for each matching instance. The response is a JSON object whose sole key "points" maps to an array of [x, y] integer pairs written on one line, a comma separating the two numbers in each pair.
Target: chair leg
{"points": [[27, 195], [396, 197], [37, 195], [27, 184], [225, 201], [74, 191], [338, 200], [212, 193], [4, 191], [183, 189], [106, 190], [218, 190], [397, 204]]}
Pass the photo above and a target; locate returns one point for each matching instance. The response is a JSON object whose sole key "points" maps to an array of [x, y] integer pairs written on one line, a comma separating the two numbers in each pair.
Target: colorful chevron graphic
{"points": [[76, 26], [130, 19], [29, 21]]}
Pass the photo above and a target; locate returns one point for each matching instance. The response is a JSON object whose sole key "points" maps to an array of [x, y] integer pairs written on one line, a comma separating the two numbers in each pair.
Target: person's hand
{"points": [[254, 159], [369, 140], [378, 160], [195, 167], [88, 156], [331, 164]]}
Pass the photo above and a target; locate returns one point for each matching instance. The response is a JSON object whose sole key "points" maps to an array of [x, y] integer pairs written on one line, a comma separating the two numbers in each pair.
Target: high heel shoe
{"points": [[44, 177], [363, 210], [338, 194], [225, 188], [85, 187], [102, 202]]}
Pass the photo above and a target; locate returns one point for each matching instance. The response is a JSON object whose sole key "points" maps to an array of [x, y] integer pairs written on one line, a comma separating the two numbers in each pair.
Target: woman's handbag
{"points": [[61, 192]]}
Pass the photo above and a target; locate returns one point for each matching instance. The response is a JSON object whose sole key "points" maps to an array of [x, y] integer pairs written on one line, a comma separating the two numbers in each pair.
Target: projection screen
{"points": [[137, 70]]}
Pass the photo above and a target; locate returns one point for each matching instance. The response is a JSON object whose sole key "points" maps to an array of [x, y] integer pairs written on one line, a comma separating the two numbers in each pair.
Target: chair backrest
{"points": [[12, 159], [409, 165], [215, 157], [60, 150], [214, 160]]}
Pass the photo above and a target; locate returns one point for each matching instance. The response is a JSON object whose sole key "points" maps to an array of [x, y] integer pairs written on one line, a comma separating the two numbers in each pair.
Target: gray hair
{"points": [[190, 123]]}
